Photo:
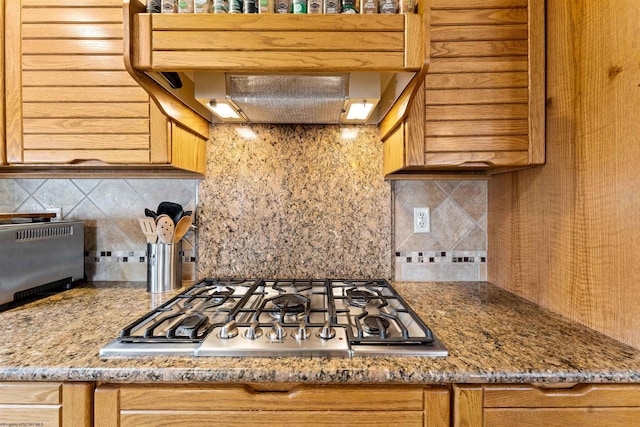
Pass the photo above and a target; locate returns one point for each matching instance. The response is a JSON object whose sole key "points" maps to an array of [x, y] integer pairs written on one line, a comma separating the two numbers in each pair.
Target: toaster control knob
{"points": [[229, 330], [302, 333], [253, 332], [277, 333], [327, 332]]}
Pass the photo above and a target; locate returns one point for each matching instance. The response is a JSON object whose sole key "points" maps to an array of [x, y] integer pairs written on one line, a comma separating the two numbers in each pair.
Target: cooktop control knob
{"points": [[229, 330], [277, 333], [253, 332], [303, 332], [327, 332]]}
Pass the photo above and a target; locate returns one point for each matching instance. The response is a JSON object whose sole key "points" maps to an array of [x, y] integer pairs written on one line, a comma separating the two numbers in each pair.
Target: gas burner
{"points": [[357, 297], [298, 285], [289, 305], [218, 297], [376, 325], [189, 326]]}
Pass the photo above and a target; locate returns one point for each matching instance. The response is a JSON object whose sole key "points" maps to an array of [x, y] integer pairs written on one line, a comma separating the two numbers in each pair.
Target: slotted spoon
{"points": [[148, 226]]}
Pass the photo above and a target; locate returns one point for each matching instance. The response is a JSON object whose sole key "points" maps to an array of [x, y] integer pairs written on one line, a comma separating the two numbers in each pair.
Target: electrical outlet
{"points": [[57, 211], [421, 220]]}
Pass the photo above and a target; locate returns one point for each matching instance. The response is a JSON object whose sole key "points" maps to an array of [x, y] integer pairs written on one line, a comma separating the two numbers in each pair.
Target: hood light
{"points": [[223, 110], [359, 111]]}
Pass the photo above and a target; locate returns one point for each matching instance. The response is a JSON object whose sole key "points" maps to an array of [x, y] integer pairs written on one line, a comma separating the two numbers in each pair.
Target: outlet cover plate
{"points": [[421, 220]]}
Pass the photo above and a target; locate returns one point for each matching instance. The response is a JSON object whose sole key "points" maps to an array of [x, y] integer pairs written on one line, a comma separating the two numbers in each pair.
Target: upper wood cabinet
{"points": [[69, 98], [482, 103]]}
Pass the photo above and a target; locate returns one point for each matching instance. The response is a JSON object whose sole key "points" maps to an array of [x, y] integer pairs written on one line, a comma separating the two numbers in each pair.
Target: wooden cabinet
{"points": [[69, 98], [482, 104], [593, 405], [46, 404], [302, 405]]}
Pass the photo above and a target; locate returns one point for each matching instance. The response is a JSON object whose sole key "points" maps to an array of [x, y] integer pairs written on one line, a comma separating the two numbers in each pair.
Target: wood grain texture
{"points": [[300, 398], [582, 395], [455, 49], [30, 393], [478, 64], [278, 61], [476, 96], [479, 32], [86, 110], [116, 156], [477, 80], [394, 150], [301, 405], [379, 418], [561, 417], [331, 41], [3, 152], [77, 404], [467, 406], [106, 406], [478, 16], [188, 150], [13, 81], [476, 159], [565, 236], [437, 407], [477, 112], [476, 127], [77, 78], [470, 143]]}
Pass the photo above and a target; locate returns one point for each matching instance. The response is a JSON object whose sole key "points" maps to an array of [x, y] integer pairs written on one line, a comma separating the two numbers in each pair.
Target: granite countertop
{"points": [[492, 337]]}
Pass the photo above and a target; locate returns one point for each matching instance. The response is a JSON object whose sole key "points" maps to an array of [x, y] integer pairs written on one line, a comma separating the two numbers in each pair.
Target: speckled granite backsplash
{"points": [[294, 202]]}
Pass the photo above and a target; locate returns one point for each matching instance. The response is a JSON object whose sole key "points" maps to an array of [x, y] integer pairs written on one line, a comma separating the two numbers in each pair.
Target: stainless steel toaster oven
{"points": [[39, 256]]}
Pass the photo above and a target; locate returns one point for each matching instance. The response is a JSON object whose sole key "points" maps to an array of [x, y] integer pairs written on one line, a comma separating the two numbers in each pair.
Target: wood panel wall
{"points": [[566, 235], [477, 85]]}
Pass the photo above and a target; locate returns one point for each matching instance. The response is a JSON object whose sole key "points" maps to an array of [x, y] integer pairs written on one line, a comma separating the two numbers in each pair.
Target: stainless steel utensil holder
{"points": [[164, 267]]}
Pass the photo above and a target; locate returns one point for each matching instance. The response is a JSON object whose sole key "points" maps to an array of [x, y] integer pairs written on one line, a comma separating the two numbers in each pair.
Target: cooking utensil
{"points": [[174, 210], [150, 213], [182, 227], [148, 226], [165, 228]]}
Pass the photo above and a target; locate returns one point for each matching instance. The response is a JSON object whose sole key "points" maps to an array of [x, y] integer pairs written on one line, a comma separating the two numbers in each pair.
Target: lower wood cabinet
{"points": [[46, 404], [593, 405], [301, 405]]}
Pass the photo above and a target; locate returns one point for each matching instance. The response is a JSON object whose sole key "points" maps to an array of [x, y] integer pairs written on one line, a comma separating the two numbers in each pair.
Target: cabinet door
{"points": [[68, 95], [527, 406], [482, 106], [484, 98], [305, 405], [46, 404]]}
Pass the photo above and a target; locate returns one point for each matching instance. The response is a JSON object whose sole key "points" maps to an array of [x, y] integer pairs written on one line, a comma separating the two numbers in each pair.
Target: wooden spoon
{"points": [[182, 227], [165, 228]]}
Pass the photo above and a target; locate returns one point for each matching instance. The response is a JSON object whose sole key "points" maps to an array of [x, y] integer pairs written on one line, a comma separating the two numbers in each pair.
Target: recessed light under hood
{"points": [[357, 97]]}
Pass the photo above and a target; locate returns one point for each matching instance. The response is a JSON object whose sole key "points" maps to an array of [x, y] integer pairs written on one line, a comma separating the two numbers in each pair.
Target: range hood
{"points": [[271, 68]]}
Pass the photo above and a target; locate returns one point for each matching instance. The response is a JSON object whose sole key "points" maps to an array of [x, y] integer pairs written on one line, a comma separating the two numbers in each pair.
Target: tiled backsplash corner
{"points": [[456, 246], [115, 248]]}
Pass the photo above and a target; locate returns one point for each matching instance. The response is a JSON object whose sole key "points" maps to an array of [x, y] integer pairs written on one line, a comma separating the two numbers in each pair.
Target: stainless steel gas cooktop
{"points": [[269, 317]]}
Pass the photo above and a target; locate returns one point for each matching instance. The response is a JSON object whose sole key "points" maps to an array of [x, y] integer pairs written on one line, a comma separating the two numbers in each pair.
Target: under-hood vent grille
{"points": [[289, 98]]}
